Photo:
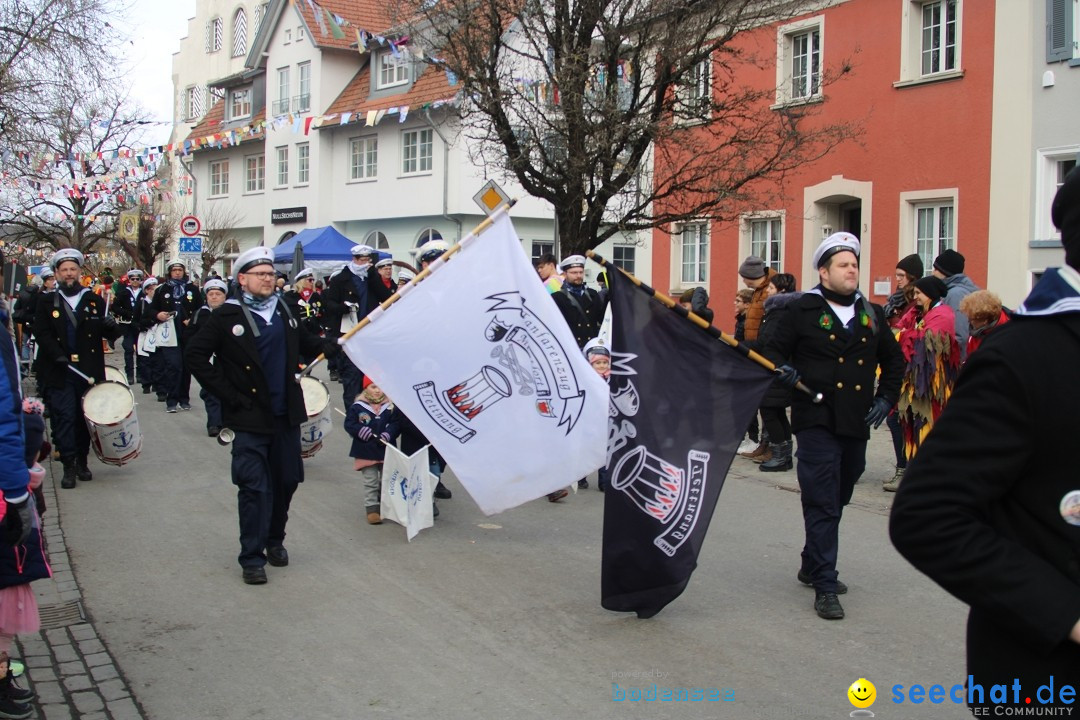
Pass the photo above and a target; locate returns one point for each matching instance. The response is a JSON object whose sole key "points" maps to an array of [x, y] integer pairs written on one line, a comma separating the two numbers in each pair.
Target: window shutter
{"points": [[239, 47], [1059, 30], [206, 38]]}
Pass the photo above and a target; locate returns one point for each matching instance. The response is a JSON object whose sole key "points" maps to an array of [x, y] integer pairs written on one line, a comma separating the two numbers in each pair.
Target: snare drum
{"points": [[318, 425], [109, 409], [113, 374]]}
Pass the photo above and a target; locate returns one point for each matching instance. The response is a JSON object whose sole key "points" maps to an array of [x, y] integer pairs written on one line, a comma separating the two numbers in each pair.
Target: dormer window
{"points": [[390, 71], [240, 103]]}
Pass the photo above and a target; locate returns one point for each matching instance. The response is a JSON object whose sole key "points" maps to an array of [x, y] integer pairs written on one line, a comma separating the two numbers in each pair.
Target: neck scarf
{"points": [[257, 304], [359, 271], [837, 298]]}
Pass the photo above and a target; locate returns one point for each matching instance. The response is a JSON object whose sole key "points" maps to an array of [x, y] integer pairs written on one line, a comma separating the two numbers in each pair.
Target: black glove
{"points": [[787, 376], [108, 322], [17, 522], [879, 410]]}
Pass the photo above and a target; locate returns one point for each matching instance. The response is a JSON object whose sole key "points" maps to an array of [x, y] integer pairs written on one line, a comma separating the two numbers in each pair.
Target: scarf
{"points": [[1058, 292], [837, 298], [576, 290], [255, 303], [359, 271]]}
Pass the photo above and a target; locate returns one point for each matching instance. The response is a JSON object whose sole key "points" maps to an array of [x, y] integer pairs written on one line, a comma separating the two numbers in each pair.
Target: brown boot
{"points": [[761, 448], [765, 456]]}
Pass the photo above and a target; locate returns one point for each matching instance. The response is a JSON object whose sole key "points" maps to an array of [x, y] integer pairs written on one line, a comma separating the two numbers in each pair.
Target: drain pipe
{"points": [[446, 173]]}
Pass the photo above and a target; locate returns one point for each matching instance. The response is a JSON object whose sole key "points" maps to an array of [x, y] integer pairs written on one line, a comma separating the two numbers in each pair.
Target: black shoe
{"points": [[213, 431], [254, 576], [442, 492], [70, 476], [131, 380], [334, 377], [170, 409], [582, 484], [82, 472], [185, 406], [828, 606], [434, 510], [277, 556], [146, 390], [805, 579], [11, 709], [162, 397], [11, 691]]}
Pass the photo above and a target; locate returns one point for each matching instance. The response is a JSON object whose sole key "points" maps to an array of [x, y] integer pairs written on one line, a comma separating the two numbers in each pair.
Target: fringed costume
{"points": [[933, 363]]}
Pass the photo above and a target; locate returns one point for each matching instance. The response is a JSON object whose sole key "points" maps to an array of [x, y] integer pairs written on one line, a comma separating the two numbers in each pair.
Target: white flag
{"points": [[407, 487], [480, 359]]}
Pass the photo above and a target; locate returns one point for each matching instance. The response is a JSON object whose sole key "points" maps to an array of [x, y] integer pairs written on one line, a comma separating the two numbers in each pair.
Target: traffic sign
{"points": [[491, 197], [190, 226], [190, 246]]}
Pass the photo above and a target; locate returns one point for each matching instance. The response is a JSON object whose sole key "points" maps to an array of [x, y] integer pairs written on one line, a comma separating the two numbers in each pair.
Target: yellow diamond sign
{"points": [[490, 197]]}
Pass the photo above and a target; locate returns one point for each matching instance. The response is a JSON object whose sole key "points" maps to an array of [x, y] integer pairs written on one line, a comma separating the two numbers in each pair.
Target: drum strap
{"points": [[251, 321], [67, 309]]}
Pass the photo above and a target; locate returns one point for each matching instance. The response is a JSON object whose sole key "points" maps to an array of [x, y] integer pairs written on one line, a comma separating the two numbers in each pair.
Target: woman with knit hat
{"points": [[933, 363], [902, 314]]}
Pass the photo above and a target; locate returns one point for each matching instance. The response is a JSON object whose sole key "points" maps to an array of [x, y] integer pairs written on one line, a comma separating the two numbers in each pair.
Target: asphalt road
{"points": [[482, 617]]}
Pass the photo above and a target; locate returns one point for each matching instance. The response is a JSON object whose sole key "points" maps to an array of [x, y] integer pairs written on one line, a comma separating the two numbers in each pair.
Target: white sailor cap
{"points": [[596, 346], [46, 272], [837, 242], [258, 255], [176, 263], [215, 284], [572, 261], [384, 262], [149, 282], [306, 272], [432, 249], [362, 251], [405, 275], [66, 254], [135, 272]]}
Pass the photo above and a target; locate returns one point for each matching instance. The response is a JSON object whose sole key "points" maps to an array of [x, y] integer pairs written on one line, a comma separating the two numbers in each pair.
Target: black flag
{"points": [[681, 401]]}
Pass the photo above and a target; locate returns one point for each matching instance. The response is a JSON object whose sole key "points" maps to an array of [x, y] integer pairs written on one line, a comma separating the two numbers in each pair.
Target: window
{"points": [[541, 248], [215, 31], [765, 241], [282, 166], [219, 177], [390, 71], [427, 236], [625, 256], [303, 163], [256, 173], [215, 95], [934, 231], [303, 101], [240, 103], [193, 103], [694, 254], [805, 64], [300, 34], [938, 36], [416, 151], [260, 13], [1061, 31], [239, 33], [288, 37], [377, 240], [281, 105], [363, 158], [1052, 166], [697, 90]]}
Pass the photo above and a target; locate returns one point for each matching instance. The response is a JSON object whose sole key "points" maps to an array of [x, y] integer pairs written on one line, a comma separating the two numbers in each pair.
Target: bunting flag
{"points": [[680, 404], [515, 409]]}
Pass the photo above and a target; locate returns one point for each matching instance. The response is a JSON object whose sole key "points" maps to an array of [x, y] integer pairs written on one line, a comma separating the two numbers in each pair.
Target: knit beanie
{"points": [[949, 263], [912, 265], [932, 287], [752, 268]]}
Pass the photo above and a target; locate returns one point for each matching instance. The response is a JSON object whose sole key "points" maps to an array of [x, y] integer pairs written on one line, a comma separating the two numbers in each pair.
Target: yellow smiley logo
{"points": [[862, 693]]}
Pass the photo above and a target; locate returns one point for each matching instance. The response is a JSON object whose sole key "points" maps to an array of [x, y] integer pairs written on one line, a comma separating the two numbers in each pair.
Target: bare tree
{"points": [[625, 115], [219, 234]]}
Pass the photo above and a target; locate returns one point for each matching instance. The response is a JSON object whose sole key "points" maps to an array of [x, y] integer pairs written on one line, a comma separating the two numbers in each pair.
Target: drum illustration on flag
{"points": [[481, 391]]}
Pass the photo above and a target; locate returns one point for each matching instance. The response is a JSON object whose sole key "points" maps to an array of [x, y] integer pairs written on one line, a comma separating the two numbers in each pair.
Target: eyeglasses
{"points": [[262, 275]]}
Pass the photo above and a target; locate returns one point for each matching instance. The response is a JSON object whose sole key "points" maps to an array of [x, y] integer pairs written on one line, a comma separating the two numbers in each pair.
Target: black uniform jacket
{"points": [[185, 306], [980, 507], [123, 304], [341, 290], [584, 315], [236, 375], [838, 363], [50, 331]]}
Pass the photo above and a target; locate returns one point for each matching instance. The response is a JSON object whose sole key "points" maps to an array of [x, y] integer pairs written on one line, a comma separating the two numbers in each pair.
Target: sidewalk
{"points": [[67, 665]]}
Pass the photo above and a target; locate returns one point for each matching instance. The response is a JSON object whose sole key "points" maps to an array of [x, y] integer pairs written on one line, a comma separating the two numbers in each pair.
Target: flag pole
{"points": [[420, 277], [701, 322]]}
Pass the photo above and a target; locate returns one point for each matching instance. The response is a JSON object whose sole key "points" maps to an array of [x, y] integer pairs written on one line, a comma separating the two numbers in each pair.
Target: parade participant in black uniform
{"points": [[990, 507], [298, 299], [256, 342], [836, 341], [148, 368], [69, 327], [581, 306], [215, 291], [123, 309], [176, 299], [351, 295]]}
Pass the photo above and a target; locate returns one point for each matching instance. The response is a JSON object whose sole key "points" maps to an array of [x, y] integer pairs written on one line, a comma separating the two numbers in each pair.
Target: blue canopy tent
{"points": [[325, 250]]}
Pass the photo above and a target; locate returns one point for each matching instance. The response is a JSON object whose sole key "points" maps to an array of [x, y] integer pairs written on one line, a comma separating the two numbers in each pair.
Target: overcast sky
{"points": [[154, 29]]}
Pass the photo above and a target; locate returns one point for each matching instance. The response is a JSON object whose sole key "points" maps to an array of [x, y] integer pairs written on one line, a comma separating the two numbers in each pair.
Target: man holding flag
{"points": [[835, 340]]}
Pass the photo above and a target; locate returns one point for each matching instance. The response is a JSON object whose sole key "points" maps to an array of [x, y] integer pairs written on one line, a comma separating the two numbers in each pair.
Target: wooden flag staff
{"points": [[746, 352], [420, 277]]}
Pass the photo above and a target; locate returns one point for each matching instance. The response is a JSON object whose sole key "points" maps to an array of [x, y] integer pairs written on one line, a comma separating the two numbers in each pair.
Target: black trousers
{"points": [[352, 381], [897, 433], [70, 434], [776, 424], [828, 468], [213, 409], [176, 378], [266, 470]]}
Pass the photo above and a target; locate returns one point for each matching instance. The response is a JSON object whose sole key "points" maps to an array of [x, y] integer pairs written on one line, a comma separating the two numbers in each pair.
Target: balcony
{"points": [[302, 103], [279, 107]]}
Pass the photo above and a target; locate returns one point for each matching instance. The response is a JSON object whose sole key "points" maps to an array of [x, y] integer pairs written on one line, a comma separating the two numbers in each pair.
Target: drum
{"points": [[113, 374], [318, 425], [109, 409]]}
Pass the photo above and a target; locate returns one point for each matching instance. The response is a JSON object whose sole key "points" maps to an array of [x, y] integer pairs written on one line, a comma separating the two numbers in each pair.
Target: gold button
{"points": [[864, 339], [832, 337], [840, 385], [248, 367], [252, 391], [840, 360], [858, 387], [860, 362]]}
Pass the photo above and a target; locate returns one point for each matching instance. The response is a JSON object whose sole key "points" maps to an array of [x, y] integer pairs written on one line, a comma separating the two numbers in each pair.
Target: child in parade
{"points": [[599, 356], [371, 422]]}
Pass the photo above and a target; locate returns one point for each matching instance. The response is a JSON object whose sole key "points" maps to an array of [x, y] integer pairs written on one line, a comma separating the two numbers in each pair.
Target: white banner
{"points": [[480, 359], [407, 487], [166, 333]]}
